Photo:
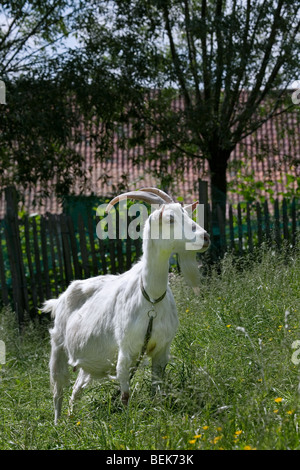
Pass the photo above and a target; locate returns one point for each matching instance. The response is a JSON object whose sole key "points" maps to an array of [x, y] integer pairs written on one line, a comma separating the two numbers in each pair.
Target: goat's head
{"points": [[172, 225], [169, 221]]}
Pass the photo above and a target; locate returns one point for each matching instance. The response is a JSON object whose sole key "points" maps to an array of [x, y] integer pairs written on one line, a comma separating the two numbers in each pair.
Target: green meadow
{"points": [[232, 381]]}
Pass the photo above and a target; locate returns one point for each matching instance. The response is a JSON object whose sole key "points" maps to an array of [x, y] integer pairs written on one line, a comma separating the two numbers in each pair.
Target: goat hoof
{"points": [[125, 398]]}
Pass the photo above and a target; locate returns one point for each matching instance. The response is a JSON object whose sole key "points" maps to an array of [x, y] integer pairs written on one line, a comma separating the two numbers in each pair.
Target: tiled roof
{"points": [[269, 155]]}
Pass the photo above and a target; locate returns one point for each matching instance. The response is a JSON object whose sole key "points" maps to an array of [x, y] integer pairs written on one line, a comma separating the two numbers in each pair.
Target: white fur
{"points": [[100, 323]]}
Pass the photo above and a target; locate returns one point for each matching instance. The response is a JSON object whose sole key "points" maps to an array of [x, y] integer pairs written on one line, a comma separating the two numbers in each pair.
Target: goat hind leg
{"points": [[59, 377], [57, 400], [82, 381]]}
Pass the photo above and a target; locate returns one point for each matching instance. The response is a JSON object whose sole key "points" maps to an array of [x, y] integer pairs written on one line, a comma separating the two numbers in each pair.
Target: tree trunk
{"points": [[218, 179]]}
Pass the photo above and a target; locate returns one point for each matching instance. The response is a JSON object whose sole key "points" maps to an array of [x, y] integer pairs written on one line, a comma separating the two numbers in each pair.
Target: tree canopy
{"points": [[232, 62], [29, 30], [34, 124]]}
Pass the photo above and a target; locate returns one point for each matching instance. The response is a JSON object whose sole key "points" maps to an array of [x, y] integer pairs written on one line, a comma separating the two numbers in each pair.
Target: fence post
{"points": [[294, 222], [285, 220], [259, 224], [4, 291], [30, 265], [20, 293], [222, 227], [66, 248], [277, 233], [74, 248], [267, 222], [37, 260], [203, 199], [45, 257], [231, 229], [249, 229], [240, 229], [83, 248], [91, 232]]}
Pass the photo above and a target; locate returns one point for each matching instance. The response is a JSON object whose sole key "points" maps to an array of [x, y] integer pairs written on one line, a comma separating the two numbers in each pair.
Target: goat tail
{"points": [[50, 306]]}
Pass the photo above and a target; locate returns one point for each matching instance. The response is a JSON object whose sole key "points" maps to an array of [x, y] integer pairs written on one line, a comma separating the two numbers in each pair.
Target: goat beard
{"points": [[190, 270]]}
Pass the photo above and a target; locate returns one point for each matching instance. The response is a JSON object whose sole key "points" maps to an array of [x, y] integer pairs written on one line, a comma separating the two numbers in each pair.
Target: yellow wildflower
{"points": [[216, 439], [278, 400], [192, 441], [205, 428]]}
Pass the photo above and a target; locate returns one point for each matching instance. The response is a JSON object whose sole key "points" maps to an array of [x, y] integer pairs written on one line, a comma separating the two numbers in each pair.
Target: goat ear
{"points": [[161, 212], [192, 207]]}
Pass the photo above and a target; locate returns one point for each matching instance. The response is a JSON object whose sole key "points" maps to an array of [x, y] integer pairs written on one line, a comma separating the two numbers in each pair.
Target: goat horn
{"points": [[148, 197], [160, 193]]}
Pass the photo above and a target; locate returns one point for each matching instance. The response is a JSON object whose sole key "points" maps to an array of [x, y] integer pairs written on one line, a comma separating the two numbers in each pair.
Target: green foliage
{"points": [[36, 145], [251, 190], [43, 135], [231, 382], [211, 52], [28, 29]]}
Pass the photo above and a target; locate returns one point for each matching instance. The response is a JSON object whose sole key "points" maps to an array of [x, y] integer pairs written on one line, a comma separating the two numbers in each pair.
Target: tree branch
{"points": [[277, 66], [219, 64], [8, 32], [205, 65], [250, 105], [34, 30], [192, 51], [263, 121], [175, 57], [244, 57]]}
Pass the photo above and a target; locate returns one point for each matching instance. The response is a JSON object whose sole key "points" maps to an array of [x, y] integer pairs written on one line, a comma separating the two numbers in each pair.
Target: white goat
{"points": [[100, 323]]}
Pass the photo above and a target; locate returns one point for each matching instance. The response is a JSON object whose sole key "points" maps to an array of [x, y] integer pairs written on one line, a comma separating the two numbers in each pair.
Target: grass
{"points": [[231, 382]]}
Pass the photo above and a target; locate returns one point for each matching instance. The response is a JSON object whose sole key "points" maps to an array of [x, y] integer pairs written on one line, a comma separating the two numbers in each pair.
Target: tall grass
{"points": [[231, 382]]}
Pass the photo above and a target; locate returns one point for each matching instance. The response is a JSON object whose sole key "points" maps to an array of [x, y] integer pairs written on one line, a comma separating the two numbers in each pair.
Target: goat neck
{"points": [[155, 269]]}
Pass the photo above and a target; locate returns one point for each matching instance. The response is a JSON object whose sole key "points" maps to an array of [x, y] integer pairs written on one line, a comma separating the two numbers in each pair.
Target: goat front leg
{"points": [[159, 362], [123, 375]]}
